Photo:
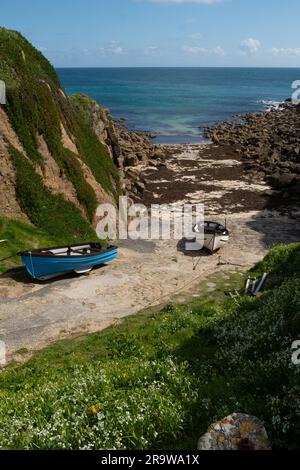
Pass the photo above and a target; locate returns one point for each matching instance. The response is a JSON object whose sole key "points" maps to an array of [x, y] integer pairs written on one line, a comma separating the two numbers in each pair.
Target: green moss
{"points": [[83, 105], [51, 213], [22, 351], [85, 193], [95, 154], [14, 48]]}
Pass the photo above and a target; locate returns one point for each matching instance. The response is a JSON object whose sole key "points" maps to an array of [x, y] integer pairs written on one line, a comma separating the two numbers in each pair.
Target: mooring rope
{"points": [[158, 299], [195, 265], [9, 257], [32, 265], [228, 263], [191, 281]]}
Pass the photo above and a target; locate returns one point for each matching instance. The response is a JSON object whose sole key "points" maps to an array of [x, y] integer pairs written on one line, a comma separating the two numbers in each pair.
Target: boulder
{"points": [[131, 160], [236, 432], [140, 186], [271, 139], [143, 155], [282, 180]]}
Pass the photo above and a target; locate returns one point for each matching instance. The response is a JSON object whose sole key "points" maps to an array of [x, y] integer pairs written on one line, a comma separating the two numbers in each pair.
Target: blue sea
{"points": [[177, 102]]}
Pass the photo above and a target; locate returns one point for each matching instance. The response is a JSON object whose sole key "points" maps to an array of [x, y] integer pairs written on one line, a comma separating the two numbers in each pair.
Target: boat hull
{"points": [[43, 267], [210, 241], [214, 235]]}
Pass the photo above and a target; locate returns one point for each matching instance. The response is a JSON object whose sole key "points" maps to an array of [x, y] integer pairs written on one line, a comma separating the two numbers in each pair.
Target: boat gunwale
{"points": [[39, 252], [217, 230]]}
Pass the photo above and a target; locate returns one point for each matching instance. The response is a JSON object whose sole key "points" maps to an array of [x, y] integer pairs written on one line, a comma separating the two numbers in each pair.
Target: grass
{"points": [[20, 236], [160, 378], [22, 351], [51, 213]]}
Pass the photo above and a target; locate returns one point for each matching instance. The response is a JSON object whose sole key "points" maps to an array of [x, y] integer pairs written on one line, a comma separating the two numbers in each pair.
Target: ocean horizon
{"points": [[176, 103]]}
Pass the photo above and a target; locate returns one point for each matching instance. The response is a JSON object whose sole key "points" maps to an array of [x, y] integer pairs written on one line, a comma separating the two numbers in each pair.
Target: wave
{"points": [[177, 132], [270, 105]]}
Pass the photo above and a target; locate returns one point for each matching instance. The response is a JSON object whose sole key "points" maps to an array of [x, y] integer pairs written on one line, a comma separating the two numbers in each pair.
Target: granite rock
{"points": [[235, 432]]}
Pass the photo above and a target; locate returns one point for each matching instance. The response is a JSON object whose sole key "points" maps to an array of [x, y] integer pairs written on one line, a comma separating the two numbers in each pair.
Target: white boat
{"points": [[215, 235]]}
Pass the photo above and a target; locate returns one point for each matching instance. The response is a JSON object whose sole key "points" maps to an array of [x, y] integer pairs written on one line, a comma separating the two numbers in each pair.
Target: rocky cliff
{"points": [[60, 156], [129, 150]]}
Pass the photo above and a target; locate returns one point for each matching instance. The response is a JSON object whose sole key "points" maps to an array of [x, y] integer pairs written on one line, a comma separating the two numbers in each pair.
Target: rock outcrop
{"points": [[128, 149], [236, 432], [268, 142], [9, 205]]}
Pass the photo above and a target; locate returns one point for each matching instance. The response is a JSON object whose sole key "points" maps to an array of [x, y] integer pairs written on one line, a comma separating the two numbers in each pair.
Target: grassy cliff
{"points": [[37, 107]]}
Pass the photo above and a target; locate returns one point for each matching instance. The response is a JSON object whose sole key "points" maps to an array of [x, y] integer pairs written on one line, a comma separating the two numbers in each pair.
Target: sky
{"points": [[154, 33]]}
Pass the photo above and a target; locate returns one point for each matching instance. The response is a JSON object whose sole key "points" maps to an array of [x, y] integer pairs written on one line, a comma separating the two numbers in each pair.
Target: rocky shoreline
{"points": [[268, 143], [266, 146], [258, 157]]}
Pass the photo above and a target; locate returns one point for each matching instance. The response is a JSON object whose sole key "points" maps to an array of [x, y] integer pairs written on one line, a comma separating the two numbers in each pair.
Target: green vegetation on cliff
{"points": [[158, 380], [37, 106], [20, 236], [51, 213]]}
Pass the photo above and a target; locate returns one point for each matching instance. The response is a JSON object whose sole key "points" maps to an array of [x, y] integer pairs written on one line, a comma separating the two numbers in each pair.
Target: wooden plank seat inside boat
{"points": [[70, 251]]}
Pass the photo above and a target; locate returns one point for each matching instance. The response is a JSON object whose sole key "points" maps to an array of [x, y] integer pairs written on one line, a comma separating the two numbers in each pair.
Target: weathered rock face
{"points": [[9, 205], [235, 432], [269, 143], [128, 149]]}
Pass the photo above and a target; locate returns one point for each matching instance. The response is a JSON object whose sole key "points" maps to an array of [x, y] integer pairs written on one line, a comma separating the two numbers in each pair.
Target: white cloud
{"points": [[117, 50], [286, 52], [203, 2], [194, 50], [250, 46], [151, 50], [112, 48], [195, 36], [218, 51], [201, 51]]}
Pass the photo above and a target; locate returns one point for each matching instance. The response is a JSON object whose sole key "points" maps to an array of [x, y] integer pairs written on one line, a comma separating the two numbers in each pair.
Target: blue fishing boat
{"points": [[47, 263]]}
